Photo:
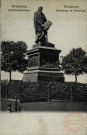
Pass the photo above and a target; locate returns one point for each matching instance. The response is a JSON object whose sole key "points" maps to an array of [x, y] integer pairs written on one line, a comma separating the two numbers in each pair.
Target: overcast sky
{"points": [[69, 29]]}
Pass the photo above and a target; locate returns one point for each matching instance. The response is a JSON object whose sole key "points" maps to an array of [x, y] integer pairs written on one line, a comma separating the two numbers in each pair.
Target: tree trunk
{"points": [[10, 75], [75, 78]]}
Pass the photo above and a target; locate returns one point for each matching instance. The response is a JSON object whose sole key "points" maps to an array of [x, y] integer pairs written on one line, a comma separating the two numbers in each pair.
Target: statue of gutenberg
{"points": [[39, 20]]}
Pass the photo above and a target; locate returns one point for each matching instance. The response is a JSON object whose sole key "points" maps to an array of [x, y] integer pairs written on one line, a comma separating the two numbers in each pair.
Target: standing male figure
{"points": [[39, 20]]}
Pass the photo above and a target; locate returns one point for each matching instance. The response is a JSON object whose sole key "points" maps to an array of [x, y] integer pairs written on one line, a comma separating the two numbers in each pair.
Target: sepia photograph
{"points": [[44, 59], [43, 56]]}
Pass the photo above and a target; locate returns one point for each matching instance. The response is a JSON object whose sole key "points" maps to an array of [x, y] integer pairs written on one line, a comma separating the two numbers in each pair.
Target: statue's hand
{"points": [[42, 26]]}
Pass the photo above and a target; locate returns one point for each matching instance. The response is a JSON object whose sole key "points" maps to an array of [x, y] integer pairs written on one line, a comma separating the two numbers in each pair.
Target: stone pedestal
{"points": [[43, 64]]}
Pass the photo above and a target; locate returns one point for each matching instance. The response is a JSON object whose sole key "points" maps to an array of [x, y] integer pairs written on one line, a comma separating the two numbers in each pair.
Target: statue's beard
{"points": [[40, 13]]}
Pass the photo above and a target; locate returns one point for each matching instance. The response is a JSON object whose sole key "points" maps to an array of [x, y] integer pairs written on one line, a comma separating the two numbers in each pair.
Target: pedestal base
{"points": [[37, 75], [43, 64]]}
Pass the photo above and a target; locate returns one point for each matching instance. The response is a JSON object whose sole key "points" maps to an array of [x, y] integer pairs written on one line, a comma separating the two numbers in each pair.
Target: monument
{"points": [[43, 58]]}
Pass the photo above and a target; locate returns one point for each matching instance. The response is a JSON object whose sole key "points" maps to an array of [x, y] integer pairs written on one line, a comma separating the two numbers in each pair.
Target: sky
{"points": [[69, 29]]}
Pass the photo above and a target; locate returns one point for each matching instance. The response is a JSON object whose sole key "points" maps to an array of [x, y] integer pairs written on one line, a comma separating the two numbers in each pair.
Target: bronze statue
{"points": [[39, 20]]}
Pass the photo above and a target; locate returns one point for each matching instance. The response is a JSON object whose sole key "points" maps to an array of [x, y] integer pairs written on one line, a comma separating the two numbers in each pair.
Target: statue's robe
{"points": [[39, 20]]}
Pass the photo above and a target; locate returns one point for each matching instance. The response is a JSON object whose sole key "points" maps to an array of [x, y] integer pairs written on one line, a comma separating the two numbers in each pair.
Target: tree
{"points": [[13, 56], [75, 62]]}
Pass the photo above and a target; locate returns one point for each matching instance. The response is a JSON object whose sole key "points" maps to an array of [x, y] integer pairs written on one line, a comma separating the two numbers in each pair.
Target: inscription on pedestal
{"points": [[33, 61]]}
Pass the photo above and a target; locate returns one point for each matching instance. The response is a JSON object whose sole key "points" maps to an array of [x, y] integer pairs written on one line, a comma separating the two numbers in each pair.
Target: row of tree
{"points": [[13, 58]]}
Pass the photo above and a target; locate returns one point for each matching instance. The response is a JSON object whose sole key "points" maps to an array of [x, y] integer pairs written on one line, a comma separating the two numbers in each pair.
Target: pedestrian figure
{"points": [[19, 106], [16, 105], [9, 108]]}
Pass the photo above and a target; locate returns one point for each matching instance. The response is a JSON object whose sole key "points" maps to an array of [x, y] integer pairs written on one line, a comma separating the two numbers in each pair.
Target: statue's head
{"points": [[40, 9]]}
